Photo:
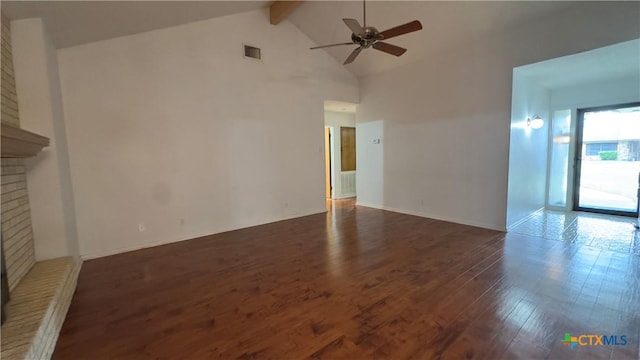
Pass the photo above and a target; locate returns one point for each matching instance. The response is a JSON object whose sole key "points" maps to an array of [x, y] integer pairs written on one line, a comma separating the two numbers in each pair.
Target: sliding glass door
{"points": [[608, 160]]}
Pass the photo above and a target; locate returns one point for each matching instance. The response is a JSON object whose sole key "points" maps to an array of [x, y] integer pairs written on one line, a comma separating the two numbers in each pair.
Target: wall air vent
{"points": [[252, 52]]}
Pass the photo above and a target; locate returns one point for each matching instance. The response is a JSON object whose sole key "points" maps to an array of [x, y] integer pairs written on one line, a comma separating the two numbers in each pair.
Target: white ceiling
{"points": [[78, 22], [446, 23], [610, 62], [340, 106]]}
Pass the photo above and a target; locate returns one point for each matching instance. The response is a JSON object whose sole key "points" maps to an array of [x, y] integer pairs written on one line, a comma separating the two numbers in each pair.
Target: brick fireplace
{"points": [[17, 234], [38, 292]]}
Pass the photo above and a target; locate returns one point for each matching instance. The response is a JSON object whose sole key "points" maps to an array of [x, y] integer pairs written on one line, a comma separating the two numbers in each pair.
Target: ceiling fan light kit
{"points": [[369, 37]]}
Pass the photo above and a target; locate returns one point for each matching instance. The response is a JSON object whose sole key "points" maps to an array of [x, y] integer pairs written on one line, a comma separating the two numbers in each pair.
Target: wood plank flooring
{"points": [[356, 283]]}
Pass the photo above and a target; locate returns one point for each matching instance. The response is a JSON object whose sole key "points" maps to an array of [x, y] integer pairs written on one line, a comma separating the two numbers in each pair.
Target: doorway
{"points": [[608, 160], [340, 149], [327, 162], [555, 90]]}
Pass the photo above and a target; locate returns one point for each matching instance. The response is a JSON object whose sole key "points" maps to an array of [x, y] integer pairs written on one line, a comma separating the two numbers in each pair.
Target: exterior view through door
{"points": [[608, 160]]}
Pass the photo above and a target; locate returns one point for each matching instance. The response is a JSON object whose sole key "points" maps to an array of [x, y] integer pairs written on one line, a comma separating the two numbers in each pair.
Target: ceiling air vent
{"points": [[251, 52]]}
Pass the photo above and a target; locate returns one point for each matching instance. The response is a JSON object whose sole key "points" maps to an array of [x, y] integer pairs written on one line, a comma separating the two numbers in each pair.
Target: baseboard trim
{"points": [[373, 206], [435, 217], [121, 250], [524, 219]]}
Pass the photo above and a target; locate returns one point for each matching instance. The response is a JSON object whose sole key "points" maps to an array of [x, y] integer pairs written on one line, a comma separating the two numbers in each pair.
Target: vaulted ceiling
{"points": [[78, 22], [446, 23]]}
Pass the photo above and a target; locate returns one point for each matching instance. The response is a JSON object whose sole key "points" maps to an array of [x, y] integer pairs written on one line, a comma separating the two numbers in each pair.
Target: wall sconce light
{"points": [[536, 122]]}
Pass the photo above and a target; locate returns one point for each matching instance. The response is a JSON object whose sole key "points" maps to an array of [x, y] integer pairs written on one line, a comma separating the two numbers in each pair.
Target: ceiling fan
{"points": [[368, 36]]}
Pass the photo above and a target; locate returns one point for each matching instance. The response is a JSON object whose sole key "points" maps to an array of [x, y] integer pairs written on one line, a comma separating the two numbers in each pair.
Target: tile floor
{"points": [[615, 233]]}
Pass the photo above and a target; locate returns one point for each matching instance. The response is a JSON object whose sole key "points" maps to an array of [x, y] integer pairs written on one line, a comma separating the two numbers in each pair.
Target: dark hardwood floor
{"points": [[356, 283]]}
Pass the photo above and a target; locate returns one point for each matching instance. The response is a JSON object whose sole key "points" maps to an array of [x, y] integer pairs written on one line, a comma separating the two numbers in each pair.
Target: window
{"points": [[594, 149]]}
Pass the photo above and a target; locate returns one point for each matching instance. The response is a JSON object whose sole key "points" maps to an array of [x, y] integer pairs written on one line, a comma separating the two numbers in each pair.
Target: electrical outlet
{"points": [[141, 227]]}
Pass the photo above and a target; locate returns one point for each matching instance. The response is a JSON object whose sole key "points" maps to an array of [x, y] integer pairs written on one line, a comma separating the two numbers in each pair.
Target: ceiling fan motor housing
{"points": [[367, 38]]}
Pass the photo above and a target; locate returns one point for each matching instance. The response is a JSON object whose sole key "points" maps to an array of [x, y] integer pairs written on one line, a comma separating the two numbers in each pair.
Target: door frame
{"points": [[568, 200], [328, 164], [578, 161]]}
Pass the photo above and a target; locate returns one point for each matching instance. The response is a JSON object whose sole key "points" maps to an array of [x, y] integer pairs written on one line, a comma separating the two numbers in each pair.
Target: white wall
{"points": [[446, 120], [336, 120], [173, 129], [370, 162], [40, 103], [527, 149], [610, 92]]}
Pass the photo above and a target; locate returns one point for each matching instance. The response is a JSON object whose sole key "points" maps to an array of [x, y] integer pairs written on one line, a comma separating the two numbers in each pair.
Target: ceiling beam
{"points": [[280, 9]]}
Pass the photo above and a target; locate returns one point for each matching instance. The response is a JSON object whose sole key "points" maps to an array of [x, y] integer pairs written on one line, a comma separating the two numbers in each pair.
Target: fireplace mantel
{"points": [[19, 143]]}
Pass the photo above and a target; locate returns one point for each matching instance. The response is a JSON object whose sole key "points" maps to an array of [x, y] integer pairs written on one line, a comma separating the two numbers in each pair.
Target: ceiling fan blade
{"points": [[388, 48], [353, 55], [354, 26], [415, 25], [324, 46]]}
